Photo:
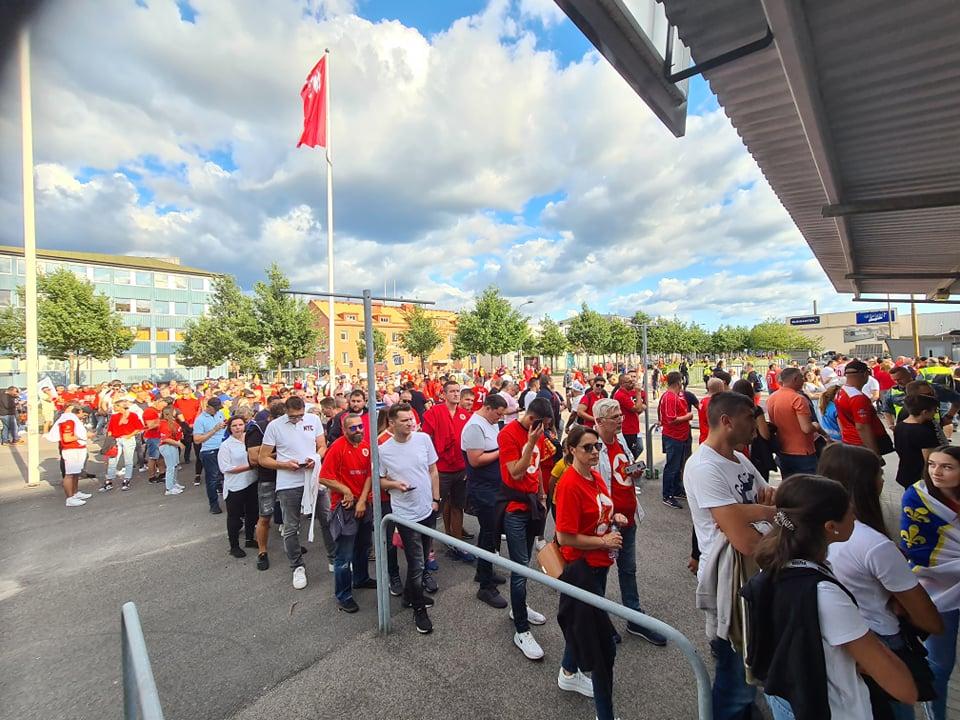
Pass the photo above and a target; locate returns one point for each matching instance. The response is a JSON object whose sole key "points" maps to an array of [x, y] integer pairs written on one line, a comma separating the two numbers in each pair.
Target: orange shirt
{"points": [[783, 407]]}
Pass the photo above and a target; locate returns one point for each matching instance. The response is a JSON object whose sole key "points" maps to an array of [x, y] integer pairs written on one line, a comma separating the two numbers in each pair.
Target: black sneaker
{"points": [[196, 481], [494, 578], [396, 587], [349, 606], [492, 598], [125, 485], [681, 494], [651, 636], [251, 544], [303, 551], [429, 584], [368, 584], [215, 510], [263, 562], [107, 486], [422, 621], [155, 480], [672, 503], [427, 601], [237, 552]]}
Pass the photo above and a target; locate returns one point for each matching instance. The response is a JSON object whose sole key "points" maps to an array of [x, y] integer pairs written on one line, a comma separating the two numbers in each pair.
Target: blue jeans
{"points": [[627, 568], [350, 561], [8, 429], [602, 691], [781, 709], [732, 696], [171, 456], [127, 449], [212, 476], [677, 452], [520, 536], [942, 656], [796, 464]]}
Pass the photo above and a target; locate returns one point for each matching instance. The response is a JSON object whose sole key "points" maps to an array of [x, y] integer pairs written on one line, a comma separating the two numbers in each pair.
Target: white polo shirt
{"points": [[293, 441]]}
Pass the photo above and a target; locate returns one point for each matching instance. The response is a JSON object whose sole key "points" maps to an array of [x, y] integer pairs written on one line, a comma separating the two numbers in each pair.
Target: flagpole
{"points": [[30, 264], [329, 141]]}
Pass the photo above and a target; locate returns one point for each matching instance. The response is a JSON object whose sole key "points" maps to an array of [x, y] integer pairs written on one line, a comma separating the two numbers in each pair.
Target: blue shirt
{"points": [[204, 423]]}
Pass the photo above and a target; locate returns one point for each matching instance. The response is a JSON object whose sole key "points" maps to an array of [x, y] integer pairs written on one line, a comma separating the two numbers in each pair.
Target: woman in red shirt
{"points": [[584, 513], [123, 426], [171, 437]]}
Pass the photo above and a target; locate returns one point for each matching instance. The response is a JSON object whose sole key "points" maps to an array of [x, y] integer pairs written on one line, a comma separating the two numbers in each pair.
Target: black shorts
{"points": [[453, 488]]}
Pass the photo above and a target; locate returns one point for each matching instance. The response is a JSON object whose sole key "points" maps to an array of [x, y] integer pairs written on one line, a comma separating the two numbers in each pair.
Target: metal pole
{"points": [[646, 410], [383, 597], [137, 672], [914, 324], [331, 343], [30, 265], [889, 320]]}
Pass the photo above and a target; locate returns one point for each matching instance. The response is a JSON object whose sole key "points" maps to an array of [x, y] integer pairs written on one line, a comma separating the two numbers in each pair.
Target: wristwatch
{"points": [[437, 500]]}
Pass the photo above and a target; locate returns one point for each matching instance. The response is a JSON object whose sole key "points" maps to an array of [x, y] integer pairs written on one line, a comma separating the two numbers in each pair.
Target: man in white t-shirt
{"points": [[296, 437], [408, 470], [727, 495]]}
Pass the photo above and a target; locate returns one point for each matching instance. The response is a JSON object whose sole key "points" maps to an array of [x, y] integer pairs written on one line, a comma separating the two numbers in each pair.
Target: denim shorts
{"points": [[266, 497], [153, 448]]}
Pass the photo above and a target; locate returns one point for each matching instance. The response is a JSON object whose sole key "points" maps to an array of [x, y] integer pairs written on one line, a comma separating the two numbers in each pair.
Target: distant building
{"points": [[389, 319], [872, 332], [154, 296]]}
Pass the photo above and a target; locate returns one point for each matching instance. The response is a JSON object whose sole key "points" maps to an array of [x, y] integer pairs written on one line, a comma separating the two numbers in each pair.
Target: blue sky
{"points": [[476, 143]]}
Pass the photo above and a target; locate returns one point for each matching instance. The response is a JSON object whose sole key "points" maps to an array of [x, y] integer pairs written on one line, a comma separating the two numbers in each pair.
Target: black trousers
{"points": [[242, 509]]}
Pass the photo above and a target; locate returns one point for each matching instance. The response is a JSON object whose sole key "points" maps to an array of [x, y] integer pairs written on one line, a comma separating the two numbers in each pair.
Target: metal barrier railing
{"points": [[141, 701], [704, 698]]}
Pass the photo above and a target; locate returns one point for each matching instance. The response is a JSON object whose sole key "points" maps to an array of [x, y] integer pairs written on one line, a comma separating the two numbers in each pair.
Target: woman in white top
{"points": [[508, 389], [812, 387], [239, 488], [812, 513], [869, 564]]}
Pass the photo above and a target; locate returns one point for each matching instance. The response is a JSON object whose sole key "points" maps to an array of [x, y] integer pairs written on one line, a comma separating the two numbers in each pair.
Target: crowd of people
{"points": [[806, 593]]}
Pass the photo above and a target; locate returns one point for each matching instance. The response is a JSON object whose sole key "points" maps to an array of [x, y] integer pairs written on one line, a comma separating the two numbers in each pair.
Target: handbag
{"points": [[551, 559]]}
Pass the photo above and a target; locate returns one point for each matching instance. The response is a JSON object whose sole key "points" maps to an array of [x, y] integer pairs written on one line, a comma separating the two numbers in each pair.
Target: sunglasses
{"points": [[355, 428], [590, 447]]}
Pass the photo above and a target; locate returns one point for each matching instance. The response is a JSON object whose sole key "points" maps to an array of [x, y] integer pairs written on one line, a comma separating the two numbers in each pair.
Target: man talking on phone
{"points": [[295, 437], [620, 471], [208, 434]]}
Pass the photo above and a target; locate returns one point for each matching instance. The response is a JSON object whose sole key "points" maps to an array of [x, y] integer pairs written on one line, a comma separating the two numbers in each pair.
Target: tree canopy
{"points": [[285, 328], [421, 336], [492, 327], [379, 346]]}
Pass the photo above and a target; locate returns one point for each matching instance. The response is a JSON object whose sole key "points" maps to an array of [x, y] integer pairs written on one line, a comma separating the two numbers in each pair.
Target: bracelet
{"points": [[436, 500]]}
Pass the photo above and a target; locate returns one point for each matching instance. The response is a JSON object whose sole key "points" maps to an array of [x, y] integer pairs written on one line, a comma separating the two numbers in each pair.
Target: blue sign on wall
{"points": [[807, 320], [872, 317]]}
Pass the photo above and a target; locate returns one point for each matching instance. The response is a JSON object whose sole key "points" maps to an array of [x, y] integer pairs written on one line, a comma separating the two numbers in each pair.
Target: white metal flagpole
{"points": [[329, 142], [30, 263]]}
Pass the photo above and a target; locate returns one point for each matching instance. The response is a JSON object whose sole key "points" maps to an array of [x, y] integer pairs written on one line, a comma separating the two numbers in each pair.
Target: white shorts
{"points": [[73, 460]]}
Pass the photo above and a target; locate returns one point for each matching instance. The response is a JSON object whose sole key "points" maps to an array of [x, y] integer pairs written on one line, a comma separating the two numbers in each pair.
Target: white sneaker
{"points": [[82, 495], [578, 683], [178, 485], [300, 578], [533, 617], [74, 502], [330, 567], [177, 490], [528, 646]]}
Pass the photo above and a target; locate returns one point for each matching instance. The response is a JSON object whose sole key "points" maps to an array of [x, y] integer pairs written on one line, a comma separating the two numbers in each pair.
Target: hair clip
{"points": [[781, 519]]}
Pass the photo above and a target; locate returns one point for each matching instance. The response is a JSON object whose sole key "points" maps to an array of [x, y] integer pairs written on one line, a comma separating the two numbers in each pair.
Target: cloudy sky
{"points": [[475, 142]]}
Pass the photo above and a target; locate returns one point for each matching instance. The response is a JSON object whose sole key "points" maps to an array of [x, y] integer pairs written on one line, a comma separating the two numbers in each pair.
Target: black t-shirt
{"points": [[910, 439], [254, 438]]}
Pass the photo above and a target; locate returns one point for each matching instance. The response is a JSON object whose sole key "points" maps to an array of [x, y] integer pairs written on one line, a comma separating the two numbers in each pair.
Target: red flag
{"points": [[315, 107]]}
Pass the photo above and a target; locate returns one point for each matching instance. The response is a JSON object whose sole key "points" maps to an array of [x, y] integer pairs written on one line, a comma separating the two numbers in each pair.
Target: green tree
{"points": [[696, 340], [589, 332], [285, 328], [773, 336], [228, 333], [552, 342], [421, 336], [492, 327], [621, 338], [76, 322], [379, 347], [13, 327]]}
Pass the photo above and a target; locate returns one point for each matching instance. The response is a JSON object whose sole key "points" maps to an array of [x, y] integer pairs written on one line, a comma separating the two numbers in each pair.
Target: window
{"points": [[180, 308], [395, 337], [144, 279], [6, 298], [21, 267], [101, 275], [179, 282], [196, 283], [384, 319], [398, 360], [160, 280], [343, 336], [143, 334], [163, 335], [179, 335], [144, 306], [79, 270], [122, 305], [6, 265], [345, 358], [197, 309], [122, 277], [352, 318]]}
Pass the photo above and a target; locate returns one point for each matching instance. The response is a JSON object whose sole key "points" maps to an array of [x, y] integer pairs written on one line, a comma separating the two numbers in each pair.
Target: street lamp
{"points": [[520, 351]]}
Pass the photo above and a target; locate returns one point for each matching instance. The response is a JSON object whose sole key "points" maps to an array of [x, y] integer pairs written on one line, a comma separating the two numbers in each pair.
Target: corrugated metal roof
{"points": [[887, 80], [128, 261]]}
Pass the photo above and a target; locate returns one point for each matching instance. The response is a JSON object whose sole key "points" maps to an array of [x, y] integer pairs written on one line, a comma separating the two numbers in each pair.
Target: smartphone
{"points": [[635, 468], [408, 489], [537, 424], [303, 464]]}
